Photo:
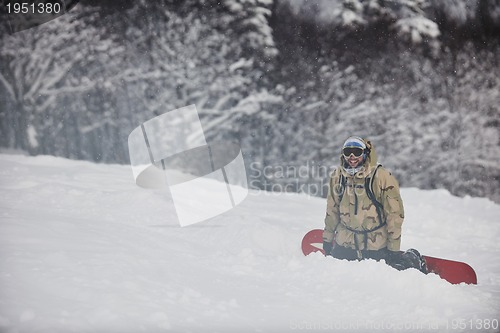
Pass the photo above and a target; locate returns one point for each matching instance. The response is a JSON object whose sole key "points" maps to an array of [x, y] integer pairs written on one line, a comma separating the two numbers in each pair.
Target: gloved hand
{"points": [[327, 246], [394, 259]]}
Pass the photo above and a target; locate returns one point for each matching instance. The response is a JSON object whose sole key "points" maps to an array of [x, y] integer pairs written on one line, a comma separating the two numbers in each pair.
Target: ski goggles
{"points": [[356, 151]]}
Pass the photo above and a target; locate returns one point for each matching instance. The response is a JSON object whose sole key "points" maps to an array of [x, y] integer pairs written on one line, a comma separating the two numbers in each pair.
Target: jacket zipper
{"points": [[355, 202]]}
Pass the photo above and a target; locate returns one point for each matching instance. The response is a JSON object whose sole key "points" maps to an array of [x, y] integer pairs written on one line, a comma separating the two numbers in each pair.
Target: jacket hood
{"points": [[369, 164]]}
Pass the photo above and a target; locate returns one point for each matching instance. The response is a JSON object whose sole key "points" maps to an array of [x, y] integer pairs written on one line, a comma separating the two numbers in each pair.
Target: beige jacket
{"points": [[349, 221]]}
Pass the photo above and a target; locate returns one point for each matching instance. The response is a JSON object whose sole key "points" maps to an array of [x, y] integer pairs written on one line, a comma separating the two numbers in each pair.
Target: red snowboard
{"points": [[454, 272]]}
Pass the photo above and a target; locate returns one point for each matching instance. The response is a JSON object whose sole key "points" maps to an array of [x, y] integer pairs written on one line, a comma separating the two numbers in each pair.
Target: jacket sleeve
{"points": [[332, 218], [393, 209]]}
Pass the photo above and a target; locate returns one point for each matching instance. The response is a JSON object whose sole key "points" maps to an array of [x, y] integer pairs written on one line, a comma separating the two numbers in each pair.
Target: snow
{"points": [[83, 249], [419, 28]]}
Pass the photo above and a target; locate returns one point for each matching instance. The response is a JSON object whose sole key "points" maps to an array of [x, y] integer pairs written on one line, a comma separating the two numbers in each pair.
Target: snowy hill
{"points": [[83, 249]]}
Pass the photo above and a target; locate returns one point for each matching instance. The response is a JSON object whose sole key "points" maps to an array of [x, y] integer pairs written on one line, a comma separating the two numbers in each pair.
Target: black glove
{"points": [[394, 259], [327, 246]]}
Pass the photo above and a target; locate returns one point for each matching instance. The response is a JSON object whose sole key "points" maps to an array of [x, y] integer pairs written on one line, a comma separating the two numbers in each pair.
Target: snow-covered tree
{"points": [[407, 19], [40, 67], [249, 19]]}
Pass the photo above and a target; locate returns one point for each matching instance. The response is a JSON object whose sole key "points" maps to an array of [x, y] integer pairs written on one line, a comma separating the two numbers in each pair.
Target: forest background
{"points": [[288, 80]]}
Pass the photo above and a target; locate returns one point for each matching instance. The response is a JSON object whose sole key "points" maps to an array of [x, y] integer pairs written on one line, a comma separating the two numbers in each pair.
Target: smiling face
{"points": [[354, 161], [354, 153], [353, 156]]}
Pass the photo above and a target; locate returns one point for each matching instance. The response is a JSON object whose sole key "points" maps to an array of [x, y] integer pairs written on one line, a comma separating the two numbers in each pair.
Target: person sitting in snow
{"points": [[365, 211]]}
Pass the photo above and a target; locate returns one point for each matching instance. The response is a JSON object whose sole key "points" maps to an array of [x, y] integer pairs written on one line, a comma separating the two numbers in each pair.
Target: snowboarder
{"points": [[365, 211]]}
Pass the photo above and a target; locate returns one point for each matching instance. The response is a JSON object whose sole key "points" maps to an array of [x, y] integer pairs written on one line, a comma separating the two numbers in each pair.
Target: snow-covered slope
{"points": [[83, 249]]}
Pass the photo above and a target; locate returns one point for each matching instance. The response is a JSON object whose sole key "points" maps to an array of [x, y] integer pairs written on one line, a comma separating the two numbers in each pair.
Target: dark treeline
{"points": [[290, 80]]}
